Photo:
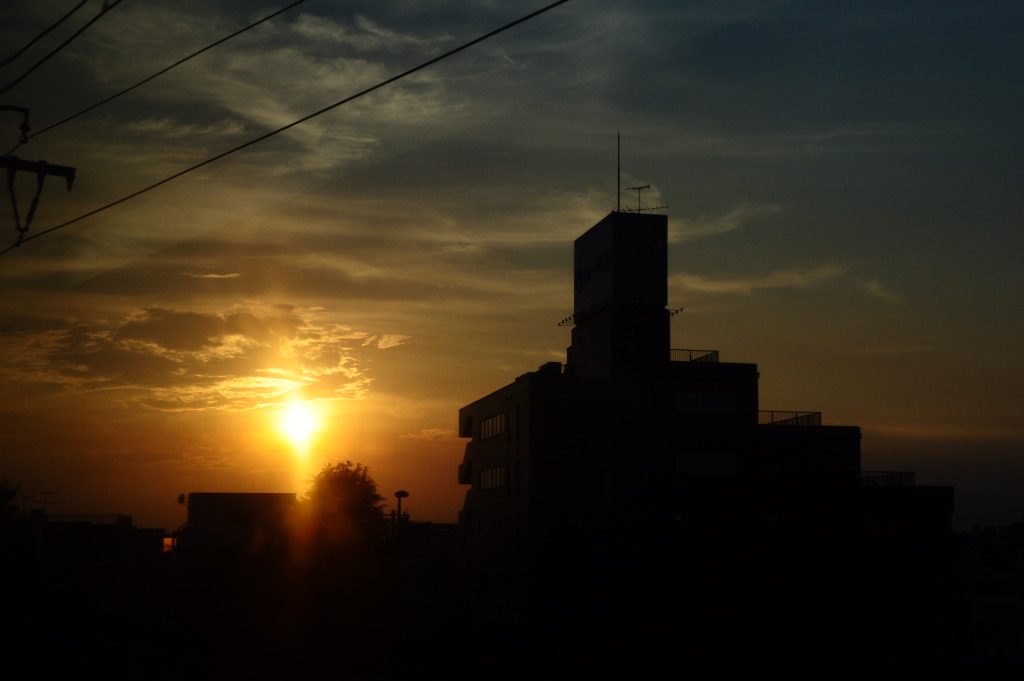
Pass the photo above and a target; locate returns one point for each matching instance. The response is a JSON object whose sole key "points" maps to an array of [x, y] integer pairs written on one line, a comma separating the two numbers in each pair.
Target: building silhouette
{"points": [[233, 525], [637, 476]]}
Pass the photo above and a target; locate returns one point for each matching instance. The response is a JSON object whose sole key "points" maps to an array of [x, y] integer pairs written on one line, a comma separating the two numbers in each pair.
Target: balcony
{"points": [[789, 418], [677, 355]]}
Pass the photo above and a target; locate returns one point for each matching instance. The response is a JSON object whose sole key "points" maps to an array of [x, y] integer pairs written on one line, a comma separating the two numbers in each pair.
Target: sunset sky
{"points": [[845, 191]]}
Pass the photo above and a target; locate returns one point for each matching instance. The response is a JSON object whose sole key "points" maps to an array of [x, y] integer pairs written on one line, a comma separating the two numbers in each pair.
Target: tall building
{"points": [[649, 474]]}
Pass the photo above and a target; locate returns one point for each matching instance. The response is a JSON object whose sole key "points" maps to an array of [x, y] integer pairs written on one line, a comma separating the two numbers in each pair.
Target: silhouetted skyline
{"points": [[844, 211]]}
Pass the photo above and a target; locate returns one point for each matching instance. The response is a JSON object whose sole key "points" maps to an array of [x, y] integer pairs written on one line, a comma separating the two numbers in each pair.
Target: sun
{"points": [[299, 423]]}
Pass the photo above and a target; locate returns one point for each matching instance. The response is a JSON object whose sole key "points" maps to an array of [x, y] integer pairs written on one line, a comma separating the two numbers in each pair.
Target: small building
{"points": [[232, 525]]}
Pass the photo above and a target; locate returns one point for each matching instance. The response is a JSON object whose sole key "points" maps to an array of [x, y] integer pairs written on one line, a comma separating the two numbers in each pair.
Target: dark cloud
{"points": [[172, 329]]}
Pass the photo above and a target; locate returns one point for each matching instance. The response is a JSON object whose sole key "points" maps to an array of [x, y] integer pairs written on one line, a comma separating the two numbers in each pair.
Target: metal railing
{"points": [[887, 478], [789, 418], [678, 355]]}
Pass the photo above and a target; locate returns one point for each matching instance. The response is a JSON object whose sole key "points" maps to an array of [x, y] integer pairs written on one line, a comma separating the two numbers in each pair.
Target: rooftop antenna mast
{"points": [[639, 208], [618, 182]]}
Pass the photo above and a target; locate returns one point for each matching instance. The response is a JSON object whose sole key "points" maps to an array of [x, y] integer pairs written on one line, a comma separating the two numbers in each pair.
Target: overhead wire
{"points": [[272, 133], [103, 12], [162, 71], [52, 26], [166, 69]]}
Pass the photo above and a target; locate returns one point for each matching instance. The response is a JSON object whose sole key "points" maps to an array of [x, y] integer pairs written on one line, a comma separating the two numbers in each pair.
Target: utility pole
{"points": [[46, 501], [41, 169]]}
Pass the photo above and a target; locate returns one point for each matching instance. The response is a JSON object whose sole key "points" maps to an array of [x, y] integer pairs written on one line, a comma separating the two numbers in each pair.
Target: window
{"points": [[494, 426], [492, 477]]}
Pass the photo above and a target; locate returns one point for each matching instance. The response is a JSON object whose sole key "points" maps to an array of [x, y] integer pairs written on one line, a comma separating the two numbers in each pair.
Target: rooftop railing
{"points": [[887, 478], [789, 418], [677, 355]]}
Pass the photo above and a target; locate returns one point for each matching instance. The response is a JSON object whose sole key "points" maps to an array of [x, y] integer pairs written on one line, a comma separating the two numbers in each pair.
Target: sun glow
{"points": [[299, 423]]}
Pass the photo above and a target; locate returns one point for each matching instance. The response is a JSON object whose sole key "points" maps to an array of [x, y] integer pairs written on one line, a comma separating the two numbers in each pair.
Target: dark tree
{"points": [[8, 499], [346, 504]]}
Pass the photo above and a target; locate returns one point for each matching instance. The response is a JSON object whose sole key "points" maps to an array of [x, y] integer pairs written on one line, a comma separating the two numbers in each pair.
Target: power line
{"points": [[270, 134], [106, 8], [86, 110], [32, 42], [165, 70]]}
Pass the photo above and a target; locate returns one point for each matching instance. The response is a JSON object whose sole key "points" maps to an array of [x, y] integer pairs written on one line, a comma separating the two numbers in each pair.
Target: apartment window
{"points": [[494, 426], [491, 478]]}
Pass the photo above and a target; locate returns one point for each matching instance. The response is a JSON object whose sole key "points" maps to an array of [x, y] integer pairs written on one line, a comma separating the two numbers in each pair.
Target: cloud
{"points": [[430, 434], [197, 275], [720, 224], [169, 128], [179, 360], [874, 288], [387, 340], [366, 35], [793, 278], [272, 76], [896, 349], [946, 432], [206, 462], [152, 457]]}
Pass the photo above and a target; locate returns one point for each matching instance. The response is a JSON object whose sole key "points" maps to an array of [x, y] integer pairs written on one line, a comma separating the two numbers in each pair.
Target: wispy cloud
{"points": [[259, 82], [387, 340], [719, 224], [430, 434], [896, 349], [362, 33], [874, 288], [169, 127], [946, 432], [792, 278], [199, 275]]}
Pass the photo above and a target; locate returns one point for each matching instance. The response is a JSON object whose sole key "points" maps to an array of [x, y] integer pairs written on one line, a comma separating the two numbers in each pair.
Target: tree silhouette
{"points": [[346, 505], [8, 499]]}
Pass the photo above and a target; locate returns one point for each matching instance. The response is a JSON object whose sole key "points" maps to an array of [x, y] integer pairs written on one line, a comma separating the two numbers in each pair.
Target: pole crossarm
{"points": [[14, 164], [40, 169]]}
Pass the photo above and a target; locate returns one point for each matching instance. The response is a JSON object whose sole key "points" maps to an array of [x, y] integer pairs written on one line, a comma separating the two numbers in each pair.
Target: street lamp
{"points": [[400, 494]]}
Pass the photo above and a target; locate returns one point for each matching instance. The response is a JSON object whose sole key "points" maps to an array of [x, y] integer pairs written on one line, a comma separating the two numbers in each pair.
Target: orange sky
{"points": [[844, 210]]}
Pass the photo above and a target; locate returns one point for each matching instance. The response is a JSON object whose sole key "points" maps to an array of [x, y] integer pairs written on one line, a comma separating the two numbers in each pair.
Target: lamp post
{"points": [[400, 494]]}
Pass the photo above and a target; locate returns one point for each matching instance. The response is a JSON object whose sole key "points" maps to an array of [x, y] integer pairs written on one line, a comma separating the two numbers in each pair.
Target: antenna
{"points": [[47, 501], [638, 190], [618, 182], [618, 171], [639, 208]]}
